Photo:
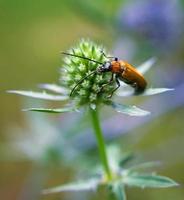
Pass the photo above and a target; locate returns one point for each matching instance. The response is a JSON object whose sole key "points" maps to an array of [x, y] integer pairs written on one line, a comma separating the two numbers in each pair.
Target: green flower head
{"points": [[75, 69]]}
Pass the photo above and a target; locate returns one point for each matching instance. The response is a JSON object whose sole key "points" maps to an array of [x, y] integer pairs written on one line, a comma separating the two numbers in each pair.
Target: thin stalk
{"points": [[100, 141]]}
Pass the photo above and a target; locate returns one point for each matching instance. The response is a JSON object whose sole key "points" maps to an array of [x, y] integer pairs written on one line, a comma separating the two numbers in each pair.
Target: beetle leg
{"points": [[104, 85], [124, 70], [118, 85], [134, 85]]}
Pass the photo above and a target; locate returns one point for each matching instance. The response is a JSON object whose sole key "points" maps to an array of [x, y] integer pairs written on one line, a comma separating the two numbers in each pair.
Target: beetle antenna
{"points": [[69, 54], [111, 57], [81, 80]]}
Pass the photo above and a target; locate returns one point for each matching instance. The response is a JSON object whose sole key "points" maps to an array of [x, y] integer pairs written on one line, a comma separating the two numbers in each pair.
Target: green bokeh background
{"points": [[32, 33]]}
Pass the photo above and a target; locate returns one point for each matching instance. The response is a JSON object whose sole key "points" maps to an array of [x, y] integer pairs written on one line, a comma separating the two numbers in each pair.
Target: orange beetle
{"points": [[128, 74], [121, 70]]}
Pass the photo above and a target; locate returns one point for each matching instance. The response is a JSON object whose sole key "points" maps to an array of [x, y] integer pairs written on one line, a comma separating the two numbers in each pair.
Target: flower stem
{"points": [[100, 141]]}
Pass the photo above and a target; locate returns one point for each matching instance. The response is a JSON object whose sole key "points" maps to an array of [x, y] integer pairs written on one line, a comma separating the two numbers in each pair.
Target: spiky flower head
{"points": [[88, 92]]}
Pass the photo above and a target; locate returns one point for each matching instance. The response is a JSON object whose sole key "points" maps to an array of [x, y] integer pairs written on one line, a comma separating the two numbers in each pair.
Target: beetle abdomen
{"points": [[140, 87], [132, 77]]}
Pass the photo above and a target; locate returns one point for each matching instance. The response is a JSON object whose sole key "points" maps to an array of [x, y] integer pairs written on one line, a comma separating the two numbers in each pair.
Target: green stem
{"points": [[100, 141]]}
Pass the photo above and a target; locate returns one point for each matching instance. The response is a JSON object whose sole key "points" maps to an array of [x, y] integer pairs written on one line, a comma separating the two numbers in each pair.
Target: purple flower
{"points": [[157, 21]]}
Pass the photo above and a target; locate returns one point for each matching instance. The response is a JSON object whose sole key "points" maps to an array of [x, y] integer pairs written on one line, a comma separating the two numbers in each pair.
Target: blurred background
{"points": [[39, 150]]}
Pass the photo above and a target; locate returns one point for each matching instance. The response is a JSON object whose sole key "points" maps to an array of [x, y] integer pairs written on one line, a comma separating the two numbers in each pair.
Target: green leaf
{"points": [[39, 95], [153, 91], [143, 68], [126, 158], [153, 181], [119, 191], [50, 110], [143, 166], [113, 154], [91, 184], [129, 110], [147, 92], [54, 88]]}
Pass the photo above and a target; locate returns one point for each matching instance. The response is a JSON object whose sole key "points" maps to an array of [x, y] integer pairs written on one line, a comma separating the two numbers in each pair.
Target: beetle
{"points": [[121, 71]]}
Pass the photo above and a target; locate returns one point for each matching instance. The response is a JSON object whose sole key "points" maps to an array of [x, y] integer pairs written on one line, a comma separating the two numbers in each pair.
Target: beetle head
{"points": [[106, 67]]}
